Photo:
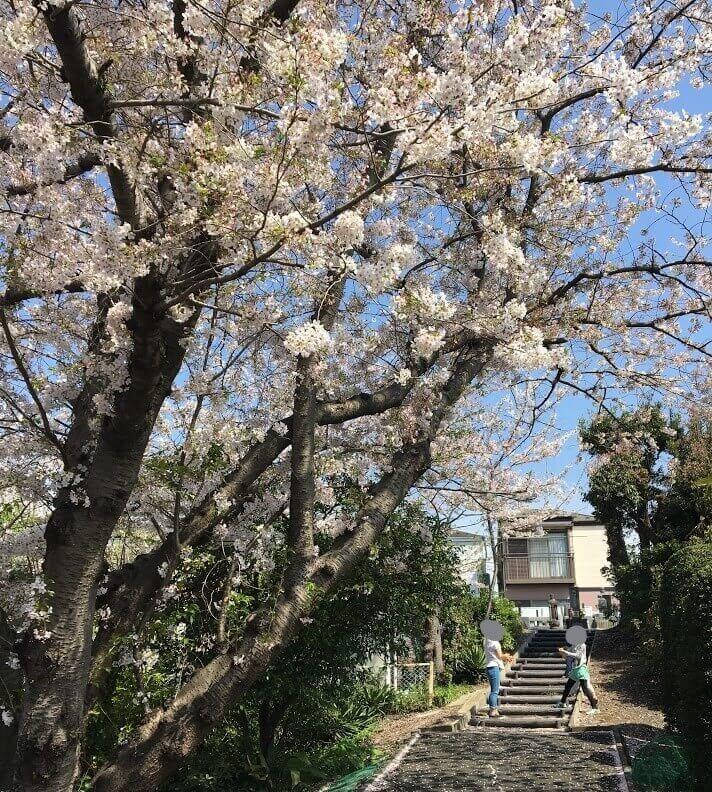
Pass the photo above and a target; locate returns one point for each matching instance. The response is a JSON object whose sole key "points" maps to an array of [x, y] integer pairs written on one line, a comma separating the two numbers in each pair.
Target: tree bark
{"points": [[132, 588], [269, 719], [617, 550], [57, 669], [495, 547]]}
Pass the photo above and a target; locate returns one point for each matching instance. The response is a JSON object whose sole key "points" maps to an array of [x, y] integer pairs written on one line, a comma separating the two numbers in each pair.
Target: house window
{"points": [[517, 547], [549, 556]]}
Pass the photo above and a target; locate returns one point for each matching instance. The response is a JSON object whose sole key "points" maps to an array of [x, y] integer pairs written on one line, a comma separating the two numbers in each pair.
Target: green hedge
{"points": [[686, 624]]}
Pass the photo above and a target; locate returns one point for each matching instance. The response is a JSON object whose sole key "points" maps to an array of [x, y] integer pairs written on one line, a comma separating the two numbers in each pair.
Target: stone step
{"points": [[534, 709], [534, 682], [549, 661], [538, 672], [527, 690], [542, 653], [547, 668], [548, 638], [550, 642], [521, 722], [547, 642], [538, 698]]}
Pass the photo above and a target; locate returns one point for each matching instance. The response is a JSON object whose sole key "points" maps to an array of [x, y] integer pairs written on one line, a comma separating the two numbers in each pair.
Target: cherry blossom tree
{"points": [[247, 248]]}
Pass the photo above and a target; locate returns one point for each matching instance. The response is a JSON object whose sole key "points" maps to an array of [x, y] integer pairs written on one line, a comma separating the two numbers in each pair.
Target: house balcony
{"points": [[549, 568]]}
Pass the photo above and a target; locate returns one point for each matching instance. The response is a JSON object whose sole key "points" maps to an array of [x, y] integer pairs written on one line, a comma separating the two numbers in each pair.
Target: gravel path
{"points": [[506, 761], [627, 697]]}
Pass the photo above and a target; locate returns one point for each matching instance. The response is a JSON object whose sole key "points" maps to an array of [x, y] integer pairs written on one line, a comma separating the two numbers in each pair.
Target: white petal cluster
{"points": [[348, 229], [381, 273], [427, 341], [116, 318], [525, 351], [403, 376], [308, 339], [287, 225], [502, 252], [633, 147], [423, 303], [515, 309]]}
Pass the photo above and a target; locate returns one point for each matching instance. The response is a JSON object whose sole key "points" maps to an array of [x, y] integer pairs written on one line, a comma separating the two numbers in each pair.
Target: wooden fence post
{"points": [[431, 683]]}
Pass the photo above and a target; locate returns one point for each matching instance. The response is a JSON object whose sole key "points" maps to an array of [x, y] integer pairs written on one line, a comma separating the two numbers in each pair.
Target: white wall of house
{"points": [[590, 548]]}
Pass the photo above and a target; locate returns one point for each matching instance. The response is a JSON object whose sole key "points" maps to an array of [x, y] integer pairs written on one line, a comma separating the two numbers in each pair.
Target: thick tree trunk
{"points": [[495, 547], [645, 527], [57, 667], [131, 589], [269, 719]]}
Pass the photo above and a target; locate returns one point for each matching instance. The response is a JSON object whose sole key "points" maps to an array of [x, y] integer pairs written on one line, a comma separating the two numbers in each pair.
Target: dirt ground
{"points": [[396, 729], [627, 698]]}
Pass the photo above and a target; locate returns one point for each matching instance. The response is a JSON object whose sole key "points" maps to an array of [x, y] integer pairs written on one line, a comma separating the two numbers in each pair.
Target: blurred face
{"points": [[492, 629], [576, 635]]}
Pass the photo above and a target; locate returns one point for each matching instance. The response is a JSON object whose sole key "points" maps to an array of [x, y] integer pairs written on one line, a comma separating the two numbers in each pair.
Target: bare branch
{"points": [[25, 374], [83, 164], [598, 178], [15, 296], [187, 102]]}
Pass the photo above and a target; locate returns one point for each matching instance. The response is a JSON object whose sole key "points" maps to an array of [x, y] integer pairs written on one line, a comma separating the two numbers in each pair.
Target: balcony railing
{"points": [[553, 566]]}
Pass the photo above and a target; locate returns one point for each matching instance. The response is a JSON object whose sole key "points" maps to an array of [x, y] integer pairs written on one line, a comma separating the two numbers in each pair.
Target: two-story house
{"points": [[565, 562]]}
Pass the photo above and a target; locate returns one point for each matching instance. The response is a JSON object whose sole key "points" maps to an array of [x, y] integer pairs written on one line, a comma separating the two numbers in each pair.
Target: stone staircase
{"points": [[533, 685]]}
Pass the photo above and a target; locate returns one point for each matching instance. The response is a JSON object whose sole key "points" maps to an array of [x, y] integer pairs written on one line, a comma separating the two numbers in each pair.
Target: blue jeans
{"points": [[493, 674]]}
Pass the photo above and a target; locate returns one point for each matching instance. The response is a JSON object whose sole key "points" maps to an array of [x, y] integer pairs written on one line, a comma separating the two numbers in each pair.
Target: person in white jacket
{"points": [[495, 660]]}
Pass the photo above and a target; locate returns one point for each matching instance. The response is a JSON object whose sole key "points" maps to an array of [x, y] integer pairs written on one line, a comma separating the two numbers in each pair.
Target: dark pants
{"points": [[585, 686]]}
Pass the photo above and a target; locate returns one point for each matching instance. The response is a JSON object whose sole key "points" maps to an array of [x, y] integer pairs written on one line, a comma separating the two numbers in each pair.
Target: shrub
{"points": [[686, 624], [662, 766], [416, 700], [469, 662], [324, 733], [447, 693]]}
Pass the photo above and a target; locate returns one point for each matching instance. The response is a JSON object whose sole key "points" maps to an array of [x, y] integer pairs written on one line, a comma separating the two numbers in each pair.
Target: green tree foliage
{"points": [[464, 645], [630, 448], [643, 488], [686, 622], [650, 482]]}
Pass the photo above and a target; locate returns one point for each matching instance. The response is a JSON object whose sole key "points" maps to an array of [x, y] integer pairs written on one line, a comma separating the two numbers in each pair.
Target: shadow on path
{"points": [[505, 761]]}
